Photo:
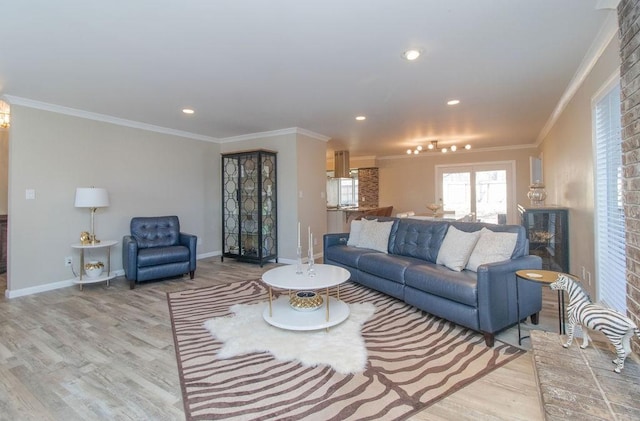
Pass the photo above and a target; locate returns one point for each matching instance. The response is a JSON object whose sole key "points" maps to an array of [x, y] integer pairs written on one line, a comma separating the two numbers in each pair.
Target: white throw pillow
{"points": [[354, 234], [456, 248], [375, 235], [492, 247]]}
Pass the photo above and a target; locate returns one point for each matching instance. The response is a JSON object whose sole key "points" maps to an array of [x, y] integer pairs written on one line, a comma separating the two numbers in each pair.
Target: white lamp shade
{"points": [[91, 197]]}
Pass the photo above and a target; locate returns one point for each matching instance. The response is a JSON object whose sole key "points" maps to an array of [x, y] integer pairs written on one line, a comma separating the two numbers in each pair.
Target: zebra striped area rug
{"points": [[415, 359]]}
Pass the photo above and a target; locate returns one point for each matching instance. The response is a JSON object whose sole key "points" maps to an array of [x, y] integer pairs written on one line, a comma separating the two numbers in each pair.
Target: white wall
{"points": [[146, 173], [408, 184]]}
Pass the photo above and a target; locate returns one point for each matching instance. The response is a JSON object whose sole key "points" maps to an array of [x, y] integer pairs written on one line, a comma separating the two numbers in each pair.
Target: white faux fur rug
{"points": [[342, 347]]}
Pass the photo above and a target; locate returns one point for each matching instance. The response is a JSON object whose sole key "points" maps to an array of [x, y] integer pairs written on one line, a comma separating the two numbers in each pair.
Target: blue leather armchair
{"points": [[157, 249]]}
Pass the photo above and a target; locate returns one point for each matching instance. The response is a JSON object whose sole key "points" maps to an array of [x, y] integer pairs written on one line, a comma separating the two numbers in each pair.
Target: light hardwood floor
{"points": [[107, 354]]}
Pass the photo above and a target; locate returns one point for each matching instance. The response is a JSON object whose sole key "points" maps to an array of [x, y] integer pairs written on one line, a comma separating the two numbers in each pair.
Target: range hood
{"points": [[341, 164]]}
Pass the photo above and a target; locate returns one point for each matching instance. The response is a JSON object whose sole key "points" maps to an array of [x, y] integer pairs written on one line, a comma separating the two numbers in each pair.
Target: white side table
{"points": [[279, 312], [101, 245]]}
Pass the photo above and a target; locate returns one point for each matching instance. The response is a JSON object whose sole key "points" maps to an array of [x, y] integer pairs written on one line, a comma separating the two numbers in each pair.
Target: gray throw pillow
{"points": [[456, 248]]}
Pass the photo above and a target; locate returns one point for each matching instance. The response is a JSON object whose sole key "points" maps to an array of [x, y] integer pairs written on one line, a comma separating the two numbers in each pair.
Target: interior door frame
{"points": [[509, 166]]}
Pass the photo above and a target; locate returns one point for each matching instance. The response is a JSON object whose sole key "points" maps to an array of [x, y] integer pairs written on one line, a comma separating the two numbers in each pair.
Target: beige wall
{"points": [[568, 163], [146, 173], [313, 185], [301, 163], [354, 162], [408, 184], [4, 171]]}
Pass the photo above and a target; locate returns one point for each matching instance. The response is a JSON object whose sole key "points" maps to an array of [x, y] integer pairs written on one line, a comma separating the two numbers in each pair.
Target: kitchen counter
{"points": [[353, 209], [339, 219]]}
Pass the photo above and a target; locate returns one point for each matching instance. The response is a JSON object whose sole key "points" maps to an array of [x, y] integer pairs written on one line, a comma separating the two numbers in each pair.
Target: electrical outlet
{"points": [[589, 278], [68, 260], [315, 241], [584, 273]]}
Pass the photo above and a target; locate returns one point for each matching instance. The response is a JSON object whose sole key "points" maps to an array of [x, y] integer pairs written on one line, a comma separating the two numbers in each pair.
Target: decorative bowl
{"points": [[433, 207], [93, 269], [305, 301]]}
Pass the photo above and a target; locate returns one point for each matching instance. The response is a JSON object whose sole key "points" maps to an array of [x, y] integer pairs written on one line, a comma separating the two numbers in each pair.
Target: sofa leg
{"points": [[132, 284], [535, 318], [192, 274], [489, 339]]}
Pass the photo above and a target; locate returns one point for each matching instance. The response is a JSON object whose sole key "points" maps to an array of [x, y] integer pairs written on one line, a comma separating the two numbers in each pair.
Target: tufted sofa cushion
{"points": [[156, 231], [415, 239]]}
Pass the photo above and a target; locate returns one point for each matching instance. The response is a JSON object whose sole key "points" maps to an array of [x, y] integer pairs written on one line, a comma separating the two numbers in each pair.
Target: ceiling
{"points": [[250, 66]]}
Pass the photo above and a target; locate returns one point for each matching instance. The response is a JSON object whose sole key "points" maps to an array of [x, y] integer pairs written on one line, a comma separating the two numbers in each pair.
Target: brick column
{"points": [[368, 187], [629, 23]]}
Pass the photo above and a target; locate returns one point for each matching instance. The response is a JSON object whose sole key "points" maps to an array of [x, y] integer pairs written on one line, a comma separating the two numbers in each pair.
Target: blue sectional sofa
{"points": [[484, 300]]}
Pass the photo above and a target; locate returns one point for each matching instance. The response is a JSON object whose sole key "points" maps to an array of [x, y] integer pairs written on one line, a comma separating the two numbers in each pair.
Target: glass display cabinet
{"points": [[249, 208], [547, 229]]}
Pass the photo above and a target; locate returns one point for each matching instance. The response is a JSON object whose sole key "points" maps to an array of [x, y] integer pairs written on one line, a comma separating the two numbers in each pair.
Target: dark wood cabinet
{"points": [[548, 233], [249, 207]]}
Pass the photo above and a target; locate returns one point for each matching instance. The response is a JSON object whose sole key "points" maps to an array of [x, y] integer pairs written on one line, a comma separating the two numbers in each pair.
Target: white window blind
{"points": [[610, 227]]}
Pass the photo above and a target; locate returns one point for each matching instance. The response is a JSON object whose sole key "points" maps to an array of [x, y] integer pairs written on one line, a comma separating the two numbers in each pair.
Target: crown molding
{"points": [[608, 30], [54, 108], [273, 133]]}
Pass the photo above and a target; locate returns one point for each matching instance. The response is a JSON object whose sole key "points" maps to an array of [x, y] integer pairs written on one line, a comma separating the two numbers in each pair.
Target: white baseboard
{"points": [[207, 255], [15, 293], [47, 287]]}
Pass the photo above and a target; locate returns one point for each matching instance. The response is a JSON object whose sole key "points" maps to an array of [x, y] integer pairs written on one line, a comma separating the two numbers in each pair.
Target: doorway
{"points": [[4, 190], [486, 191]]}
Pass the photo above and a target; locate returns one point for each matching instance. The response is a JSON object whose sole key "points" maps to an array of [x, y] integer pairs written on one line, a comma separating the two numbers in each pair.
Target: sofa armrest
{"points": [[129, 257], [190, 241], [497, 293], [329, 240]]}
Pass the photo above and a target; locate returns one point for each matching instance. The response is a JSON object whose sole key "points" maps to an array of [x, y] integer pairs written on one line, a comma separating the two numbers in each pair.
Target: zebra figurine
{"points": [[582, 312]]}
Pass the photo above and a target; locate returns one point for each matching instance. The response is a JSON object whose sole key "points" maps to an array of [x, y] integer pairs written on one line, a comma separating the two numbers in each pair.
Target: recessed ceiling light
{"points": [[188, 111], [453, 102], [361, 118], [411, 55]]}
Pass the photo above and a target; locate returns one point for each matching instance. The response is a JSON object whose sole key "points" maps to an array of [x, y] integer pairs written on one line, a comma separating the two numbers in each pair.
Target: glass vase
{"points": [[311, 271], [537, 194], [299, 261]]}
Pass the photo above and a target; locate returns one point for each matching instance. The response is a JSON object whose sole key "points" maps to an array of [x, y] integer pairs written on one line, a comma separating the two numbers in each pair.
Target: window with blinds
{"points": [[609, 212]]}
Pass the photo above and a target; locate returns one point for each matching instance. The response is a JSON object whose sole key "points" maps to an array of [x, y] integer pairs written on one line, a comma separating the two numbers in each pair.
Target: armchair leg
{"points": [[192, 274], [132, 284]]}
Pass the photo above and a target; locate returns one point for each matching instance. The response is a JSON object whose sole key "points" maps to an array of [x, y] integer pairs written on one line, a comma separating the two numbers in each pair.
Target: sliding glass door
{"points": [[483, 192]]}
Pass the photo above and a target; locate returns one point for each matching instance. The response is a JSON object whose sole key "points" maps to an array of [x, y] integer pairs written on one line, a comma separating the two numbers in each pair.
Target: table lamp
{"points": [[92, 198]]}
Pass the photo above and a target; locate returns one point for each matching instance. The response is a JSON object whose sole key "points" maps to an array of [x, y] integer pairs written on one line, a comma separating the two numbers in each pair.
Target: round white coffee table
{"points": [[280, 313]]}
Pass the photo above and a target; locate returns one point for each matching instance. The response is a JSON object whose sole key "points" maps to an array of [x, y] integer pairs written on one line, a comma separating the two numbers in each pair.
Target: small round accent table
{"points": [[543, 277], [104, 244], [279, 312]]}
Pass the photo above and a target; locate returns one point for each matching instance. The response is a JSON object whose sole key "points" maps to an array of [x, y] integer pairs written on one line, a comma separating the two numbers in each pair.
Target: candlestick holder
{"points": [[299, 261], [311, 271]]}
